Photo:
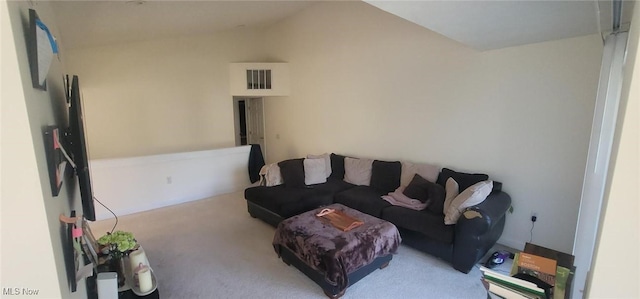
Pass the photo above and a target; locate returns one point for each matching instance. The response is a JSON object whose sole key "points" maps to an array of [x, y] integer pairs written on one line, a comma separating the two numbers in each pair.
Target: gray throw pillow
{"points": [[314, 171], [357, 171]]}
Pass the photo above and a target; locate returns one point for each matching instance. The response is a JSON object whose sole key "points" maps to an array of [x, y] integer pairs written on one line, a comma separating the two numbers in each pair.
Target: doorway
{"points": [[249, 122]]}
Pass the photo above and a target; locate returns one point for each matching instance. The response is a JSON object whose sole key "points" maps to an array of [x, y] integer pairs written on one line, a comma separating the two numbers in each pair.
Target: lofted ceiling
{"points": [[487, 25], [95, 23], [480, 24]]}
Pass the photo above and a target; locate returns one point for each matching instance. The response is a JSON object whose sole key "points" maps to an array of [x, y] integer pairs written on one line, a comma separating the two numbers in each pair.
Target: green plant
{"points": [[118, 242]]}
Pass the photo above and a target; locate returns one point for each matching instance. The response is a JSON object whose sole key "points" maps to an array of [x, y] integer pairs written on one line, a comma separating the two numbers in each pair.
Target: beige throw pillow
{"points": [[314, 171], [327, 162], [451, 191], [428, 171], [357, 171], [469, 197]]}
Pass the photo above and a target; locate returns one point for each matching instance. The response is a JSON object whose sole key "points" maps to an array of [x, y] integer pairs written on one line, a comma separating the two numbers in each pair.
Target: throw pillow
{"points": [[337, 166], [357, 171], [451, 190], [314, 171], [385, 176], [469, 197], [419, 189], [428, 171], [428, 193], [497, 187], [327, 161], [292, 172], [464, 180]]}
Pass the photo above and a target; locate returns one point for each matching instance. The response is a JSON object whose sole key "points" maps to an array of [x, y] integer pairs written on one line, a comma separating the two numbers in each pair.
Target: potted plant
{"points": [[118, 245]]}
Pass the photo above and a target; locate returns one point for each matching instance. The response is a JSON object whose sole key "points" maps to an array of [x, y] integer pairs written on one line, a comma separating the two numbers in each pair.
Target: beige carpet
{"points": [[212, 248]]}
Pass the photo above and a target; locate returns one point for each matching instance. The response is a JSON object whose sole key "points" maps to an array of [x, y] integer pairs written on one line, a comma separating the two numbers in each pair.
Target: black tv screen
{"points": [[78, 147]]}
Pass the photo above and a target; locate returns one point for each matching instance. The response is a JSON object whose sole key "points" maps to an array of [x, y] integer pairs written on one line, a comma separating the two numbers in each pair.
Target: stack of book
{"points": [[531, 276], [504, 286]]}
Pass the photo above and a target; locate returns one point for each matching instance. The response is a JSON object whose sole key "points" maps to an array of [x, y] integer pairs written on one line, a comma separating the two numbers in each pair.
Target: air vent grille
{"points": [[258, 79]]}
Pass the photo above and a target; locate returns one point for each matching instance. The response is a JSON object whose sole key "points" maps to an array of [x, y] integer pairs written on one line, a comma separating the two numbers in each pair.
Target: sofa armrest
{"points": [[478, 229], [479, 219]]}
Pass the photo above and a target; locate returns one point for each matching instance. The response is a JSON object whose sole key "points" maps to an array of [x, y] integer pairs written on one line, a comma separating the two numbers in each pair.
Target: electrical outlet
{"points": [[534, 216]]}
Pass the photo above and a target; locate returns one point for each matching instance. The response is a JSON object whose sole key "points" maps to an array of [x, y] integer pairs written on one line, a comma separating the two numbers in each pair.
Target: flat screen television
{"points": [[78, 148]]}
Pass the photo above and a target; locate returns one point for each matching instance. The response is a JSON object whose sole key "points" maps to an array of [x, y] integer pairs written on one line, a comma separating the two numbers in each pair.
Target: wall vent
{"points": [[258, 79]]}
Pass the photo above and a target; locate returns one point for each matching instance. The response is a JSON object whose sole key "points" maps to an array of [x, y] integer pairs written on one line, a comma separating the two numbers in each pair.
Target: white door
{"points": [[599, 156], [255, 123]]}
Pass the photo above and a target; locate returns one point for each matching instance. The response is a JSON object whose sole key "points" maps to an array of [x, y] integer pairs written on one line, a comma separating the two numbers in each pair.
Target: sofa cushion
{"points": [[327, 161], [314, 171], [334, 185], [425, 222], [258, 196], [292, 172], [272, 198], [287, 202], [385, 176], [337, 166], [428, 171], [469, 197], [309, 201], [464, 180], [357, 171], [364, 199]]}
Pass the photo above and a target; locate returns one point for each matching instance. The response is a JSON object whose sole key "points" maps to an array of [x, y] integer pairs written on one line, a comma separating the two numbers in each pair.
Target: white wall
{"points": [[162, 96], [369, 84], [130, 185], [616, 265], [32, 236]]}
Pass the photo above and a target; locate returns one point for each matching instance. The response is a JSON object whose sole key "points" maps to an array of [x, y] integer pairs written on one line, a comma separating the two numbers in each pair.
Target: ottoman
{"points": [[333, 258]]}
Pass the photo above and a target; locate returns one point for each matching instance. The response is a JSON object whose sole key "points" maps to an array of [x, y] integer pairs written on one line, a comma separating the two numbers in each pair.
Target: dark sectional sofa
{"points": [[462, 244]]}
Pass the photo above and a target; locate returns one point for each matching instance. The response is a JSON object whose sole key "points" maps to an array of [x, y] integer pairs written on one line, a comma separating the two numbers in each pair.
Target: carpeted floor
{"points": [[212, 248]]}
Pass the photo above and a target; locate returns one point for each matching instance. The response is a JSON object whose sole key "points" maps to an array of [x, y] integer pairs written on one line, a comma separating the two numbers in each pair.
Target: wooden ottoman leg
{"points": [[384, 265], [336, 296]]}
